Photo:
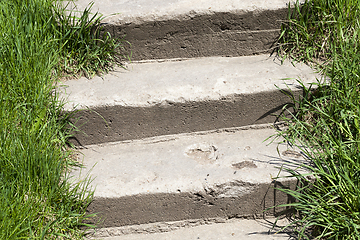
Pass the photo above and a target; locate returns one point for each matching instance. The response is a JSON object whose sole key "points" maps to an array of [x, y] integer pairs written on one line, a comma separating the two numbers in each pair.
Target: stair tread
{"points": [[196, 162], [212, 78], [231, 229], [143, 10]]}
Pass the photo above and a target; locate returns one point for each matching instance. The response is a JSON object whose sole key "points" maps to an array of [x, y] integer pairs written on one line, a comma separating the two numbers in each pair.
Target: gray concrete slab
{"points": [[225, 173], [169, 97], [163, 82], [164, 29], [231, 229], [139, 11]]}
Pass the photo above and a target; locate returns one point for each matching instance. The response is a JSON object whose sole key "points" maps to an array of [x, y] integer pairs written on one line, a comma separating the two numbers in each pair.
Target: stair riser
{"points": [[141, 209], [216, 34], [118, 123]]}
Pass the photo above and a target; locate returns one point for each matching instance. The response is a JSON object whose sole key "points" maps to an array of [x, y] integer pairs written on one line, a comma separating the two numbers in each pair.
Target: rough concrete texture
{"points": [[231, 229], [169, 97], [219, 34], [190, 28], [220, 174], [139, 11]]}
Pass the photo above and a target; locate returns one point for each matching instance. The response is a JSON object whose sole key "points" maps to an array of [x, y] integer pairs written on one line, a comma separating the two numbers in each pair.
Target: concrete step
{"points": [[164, 29], [218, 174], [176, 139], [244, 229], [169, 97]]}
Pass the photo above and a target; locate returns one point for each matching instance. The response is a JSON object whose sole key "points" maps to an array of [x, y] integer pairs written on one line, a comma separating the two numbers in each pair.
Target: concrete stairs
{"points": [[176, 141]]}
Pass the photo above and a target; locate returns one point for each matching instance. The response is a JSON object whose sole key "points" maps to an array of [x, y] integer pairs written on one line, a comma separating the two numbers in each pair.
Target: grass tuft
{"points": [[86, 48], [316, 28]]}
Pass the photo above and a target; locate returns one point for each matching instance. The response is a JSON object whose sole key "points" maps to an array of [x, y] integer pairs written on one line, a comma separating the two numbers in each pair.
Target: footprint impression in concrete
{"points": [[203, 153]]}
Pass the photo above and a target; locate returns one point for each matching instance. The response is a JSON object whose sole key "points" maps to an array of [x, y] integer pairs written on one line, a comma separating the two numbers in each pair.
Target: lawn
{"points": [[41, 42], [326, 122]]}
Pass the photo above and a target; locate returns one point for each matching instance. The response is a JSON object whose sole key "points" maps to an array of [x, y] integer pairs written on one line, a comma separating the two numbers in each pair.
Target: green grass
{"points": [[39, 41], [86, 50], [317, 28], [326, 121]]}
